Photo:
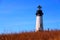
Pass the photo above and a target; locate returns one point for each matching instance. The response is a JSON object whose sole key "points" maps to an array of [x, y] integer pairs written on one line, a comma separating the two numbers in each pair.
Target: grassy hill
{"points": [[41, 35]]}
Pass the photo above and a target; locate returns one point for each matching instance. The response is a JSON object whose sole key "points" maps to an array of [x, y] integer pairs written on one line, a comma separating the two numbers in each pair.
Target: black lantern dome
{"points": [[39, 11]]}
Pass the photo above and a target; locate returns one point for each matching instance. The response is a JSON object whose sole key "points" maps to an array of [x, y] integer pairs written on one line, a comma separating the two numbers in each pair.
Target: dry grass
{"points": [[42, 35]]}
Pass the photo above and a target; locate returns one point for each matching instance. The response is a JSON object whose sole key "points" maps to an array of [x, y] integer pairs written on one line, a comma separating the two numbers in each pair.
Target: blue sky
{"points": [[19, 15]]}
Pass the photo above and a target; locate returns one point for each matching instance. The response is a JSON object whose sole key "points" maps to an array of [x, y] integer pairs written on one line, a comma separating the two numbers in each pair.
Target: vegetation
{"points": [[41, 35]]}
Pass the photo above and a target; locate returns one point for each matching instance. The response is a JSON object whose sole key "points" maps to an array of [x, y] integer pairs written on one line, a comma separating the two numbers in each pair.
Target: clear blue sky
{"points": [[19, 15]]}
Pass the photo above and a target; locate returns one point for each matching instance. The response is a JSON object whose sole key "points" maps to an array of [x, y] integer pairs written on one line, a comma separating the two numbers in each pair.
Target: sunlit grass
{"points": [[40, 35]]}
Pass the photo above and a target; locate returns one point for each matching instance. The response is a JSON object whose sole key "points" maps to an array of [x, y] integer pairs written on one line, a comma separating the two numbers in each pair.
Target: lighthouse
{"points": [[39, 19]]}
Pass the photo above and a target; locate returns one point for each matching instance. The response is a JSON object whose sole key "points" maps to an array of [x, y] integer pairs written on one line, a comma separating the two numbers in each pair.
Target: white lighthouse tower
{"points": [[39, 19]]}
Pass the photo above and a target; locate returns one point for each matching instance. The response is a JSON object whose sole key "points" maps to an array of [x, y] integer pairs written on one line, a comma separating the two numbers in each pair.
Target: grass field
{"points": [[40, 35]]}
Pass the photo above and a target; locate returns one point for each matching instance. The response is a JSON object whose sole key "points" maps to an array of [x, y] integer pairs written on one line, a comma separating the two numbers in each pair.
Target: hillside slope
{"points": [[42, 35]]}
